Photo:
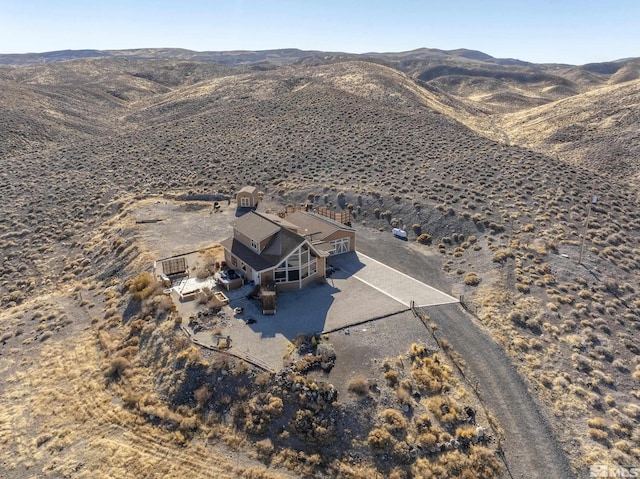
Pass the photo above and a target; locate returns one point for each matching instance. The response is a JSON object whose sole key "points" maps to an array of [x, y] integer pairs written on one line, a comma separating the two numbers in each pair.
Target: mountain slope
{"points": [[598, 129], [365, 137]]}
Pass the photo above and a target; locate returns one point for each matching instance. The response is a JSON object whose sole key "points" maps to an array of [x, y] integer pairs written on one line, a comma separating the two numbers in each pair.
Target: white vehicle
{"points": [[398, 233]]}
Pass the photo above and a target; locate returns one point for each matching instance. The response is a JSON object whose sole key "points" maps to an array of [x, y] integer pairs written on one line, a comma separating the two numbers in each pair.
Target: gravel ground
{"points": [[530, 448]]}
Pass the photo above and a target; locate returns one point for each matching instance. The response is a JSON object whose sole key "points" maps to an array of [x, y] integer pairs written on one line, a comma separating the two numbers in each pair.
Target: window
{"points": [[234, 261], [245, 202], [254, 245], [300, 264]]}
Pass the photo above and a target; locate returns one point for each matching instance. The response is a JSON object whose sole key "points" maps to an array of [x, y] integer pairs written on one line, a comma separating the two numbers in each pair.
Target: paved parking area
{"points": [[389, 281], [361, 289], [342, 301]]}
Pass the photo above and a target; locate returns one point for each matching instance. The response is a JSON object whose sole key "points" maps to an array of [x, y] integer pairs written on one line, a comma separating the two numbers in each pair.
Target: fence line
{"points": [[244, 357], [499, 450]]}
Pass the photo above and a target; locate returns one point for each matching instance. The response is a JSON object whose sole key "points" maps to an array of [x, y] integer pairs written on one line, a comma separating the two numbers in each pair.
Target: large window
{"points": [[300, 264]]}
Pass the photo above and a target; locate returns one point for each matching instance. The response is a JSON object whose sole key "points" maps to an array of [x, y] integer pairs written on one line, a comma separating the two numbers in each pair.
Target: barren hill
{"points": [[490, 164], [598, 129]]}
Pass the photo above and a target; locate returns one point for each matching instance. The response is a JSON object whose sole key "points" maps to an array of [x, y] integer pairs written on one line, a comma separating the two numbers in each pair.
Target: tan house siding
{"points": [[264, 243], [245, 240], [247, 197]]}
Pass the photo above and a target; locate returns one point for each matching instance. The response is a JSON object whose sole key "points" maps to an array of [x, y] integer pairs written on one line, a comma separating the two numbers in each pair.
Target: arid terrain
{"points": [[517, 183]]}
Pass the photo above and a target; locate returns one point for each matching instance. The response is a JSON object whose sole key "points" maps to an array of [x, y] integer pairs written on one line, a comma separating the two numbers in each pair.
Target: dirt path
{"points": [[529, 446]]}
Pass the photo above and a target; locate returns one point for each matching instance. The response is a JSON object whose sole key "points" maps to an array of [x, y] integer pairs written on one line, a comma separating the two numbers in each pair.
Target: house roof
{"points": [[282, 243], [247, 189], [280, 221], [255, 226], [248, 256], [316, 227]]}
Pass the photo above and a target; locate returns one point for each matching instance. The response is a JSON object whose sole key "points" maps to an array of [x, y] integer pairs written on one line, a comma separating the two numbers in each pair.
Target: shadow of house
{"points": [[243, 211], [299, 312]]}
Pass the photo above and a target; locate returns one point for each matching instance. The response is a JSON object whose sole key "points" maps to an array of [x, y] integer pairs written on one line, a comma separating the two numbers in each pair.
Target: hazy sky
{"points": [[564, 31]]}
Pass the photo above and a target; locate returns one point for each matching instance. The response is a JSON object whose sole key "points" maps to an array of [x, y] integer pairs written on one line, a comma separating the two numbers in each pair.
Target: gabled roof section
{"points": [[280, 221], [316, 227], [282, 245], [283, 242], [246, 255], [248, 189], [255, 226]]}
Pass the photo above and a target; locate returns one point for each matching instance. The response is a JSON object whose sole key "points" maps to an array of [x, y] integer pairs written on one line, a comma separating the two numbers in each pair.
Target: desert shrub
{"points": [[117, 368], [44, 336], [471, 279], [394, 422], [358, 385], [202, 395], [265, 449], [581, 363], [427, 439], [633, 411], [431, 375], [597, 422], [598, 434], [307, 362], [313, 428], [142, 286], [502, 255], [401, 452], [417, 229], [260, 412], [392, 378], [466, 432], [444, 408], [380, 439], [424, 238]]}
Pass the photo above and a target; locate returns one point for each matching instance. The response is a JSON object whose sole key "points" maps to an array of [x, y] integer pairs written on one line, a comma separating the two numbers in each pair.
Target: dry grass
{"points": [[65, 422]]}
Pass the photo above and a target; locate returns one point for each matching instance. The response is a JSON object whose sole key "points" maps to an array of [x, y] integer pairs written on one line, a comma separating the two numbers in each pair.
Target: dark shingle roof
{"points": [[283, 243]]}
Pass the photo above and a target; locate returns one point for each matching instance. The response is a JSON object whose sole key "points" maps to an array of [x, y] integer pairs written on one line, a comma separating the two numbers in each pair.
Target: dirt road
{"points": [[529, 446]]}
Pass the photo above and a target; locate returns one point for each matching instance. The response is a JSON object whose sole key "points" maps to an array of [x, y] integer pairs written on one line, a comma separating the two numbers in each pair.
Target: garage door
{"points": [[340, 246]]}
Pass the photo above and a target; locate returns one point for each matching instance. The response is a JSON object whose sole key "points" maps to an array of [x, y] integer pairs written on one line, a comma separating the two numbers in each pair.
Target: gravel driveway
{"points": [[530, 448]]}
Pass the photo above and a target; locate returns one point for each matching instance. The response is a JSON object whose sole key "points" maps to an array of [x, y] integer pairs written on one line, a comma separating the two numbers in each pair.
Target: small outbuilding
{"points": [[247, 197]]}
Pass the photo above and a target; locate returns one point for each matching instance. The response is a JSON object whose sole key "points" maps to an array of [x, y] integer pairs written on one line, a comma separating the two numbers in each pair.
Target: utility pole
{"points": [[594, 200]]}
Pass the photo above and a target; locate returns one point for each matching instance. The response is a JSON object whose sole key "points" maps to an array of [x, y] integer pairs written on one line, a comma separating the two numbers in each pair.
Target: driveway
{"points": [[391, 282], [341, 301], [530, 447]]}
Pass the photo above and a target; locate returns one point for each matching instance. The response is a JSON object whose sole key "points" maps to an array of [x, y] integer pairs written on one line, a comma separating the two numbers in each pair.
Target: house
{"points": [[247, 197], [323, 232], [290, 249]]}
